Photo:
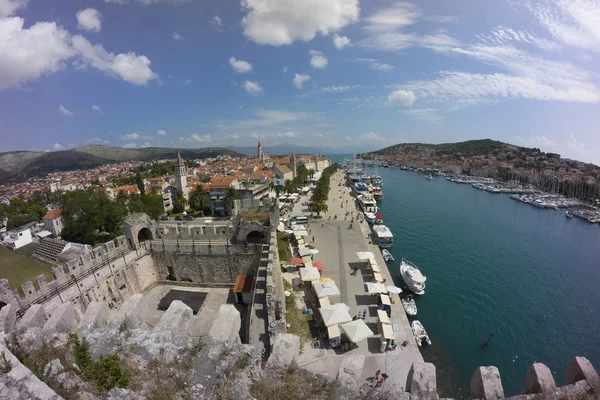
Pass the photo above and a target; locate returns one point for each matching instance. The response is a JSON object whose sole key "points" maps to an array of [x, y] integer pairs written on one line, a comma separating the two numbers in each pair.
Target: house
{"points": [[18, 237], [283, 172], [218, 188], [126, 189], [53, 221]]}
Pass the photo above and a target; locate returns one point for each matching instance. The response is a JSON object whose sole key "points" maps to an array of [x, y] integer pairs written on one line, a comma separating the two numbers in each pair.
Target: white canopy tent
{"points": [[309, 274], [303, 251], [335, 314], [365, 255], [281, 227], [324, 289], [356, 330], [375, 288]]}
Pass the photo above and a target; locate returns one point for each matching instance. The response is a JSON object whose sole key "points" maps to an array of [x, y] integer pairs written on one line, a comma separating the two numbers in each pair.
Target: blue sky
{"points": [[341, 73]]}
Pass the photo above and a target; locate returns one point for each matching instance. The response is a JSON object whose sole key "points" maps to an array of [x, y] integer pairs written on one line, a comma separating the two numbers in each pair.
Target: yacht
{"points": [[538, 203], [412, 277], [382, 236], [549, 204], [367, 203], [377, 193], [387, 256], [370, 217], [410, 307], [420, 333]]}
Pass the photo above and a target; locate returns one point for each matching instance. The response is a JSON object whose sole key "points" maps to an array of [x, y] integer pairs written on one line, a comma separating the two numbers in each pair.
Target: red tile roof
{"points": [[54, 213]]}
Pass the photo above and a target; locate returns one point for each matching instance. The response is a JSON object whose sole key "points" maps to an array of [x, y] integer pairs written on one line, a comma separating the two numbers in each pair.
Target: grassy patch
{"points": [[293, 316], [19, 269], [28, 250], [283, 247], [253, 216]]}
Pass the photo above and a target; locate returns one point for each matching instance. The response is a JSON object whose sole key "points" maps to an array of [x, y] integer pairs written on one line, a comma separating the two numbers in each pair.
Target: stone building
{"points": [[181, 177]]}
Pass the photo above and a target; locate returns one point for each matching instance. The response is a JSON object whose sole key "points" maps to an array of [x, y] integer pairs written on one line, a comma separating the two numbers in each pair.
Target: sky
{"points": [[339, 73]]}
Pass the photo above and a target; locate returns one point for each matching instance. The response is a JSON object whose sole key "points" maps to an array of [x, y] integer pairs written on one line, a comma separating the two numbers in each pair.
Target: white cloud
{"points": [[536, 141], [284, 69], [240, 66], [27, 54], [374, 64], [129, 67], [281, 22], [64, 111], [201, 139], [253, 88], [403, 97], [347, 138], [289, 134], [372, 137], [442, 19], [432, 115], [146, 2], [58, 147], [341, 41], [8, 7], [317, 59], [177, 36], [234, 137], [130, 146], [146, 144], [576, 146], [97, 140], [96, 108], [255, 135], [131, 136], [147, 137], [161, 133], [340, 89], [216, 22], [320, 136], [187, 82], [575, 23], [299, 80], [89, 19], [502, 35]]}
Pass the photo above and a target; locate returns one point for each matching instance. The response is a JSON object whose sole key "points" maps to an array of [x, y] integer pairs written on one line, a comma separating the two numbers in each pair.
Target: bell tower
{"points": [[181, 177], [260, 154]]}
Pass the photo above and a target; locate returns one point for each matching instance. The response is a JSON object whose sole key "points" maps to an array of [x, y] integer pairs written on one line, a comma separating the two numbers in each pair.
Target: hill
{"points": [[465, 149], [23, 164]]}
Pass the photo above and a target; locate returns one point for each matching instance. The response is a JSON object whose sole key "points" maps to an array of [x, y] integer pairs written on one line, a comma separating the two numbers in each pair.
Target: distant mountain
{"points": [[281, 149], [23, 164]]}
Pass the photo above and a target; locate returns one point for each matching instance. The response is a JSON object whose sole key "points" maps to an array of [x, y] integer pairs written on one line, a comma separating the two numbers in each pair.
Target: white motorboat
{"points": [[429, 177], [538, 203], [421, 336], [409, 305], [370, 217], [382, 236], [412, 277], [569, 214], [549, 204], [387, 256]]}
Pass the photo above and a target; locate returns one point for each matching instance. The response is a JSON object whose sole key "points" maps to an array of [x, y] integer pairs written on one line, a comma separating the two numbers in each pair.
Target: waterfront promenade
{"points": [[338, 245]]}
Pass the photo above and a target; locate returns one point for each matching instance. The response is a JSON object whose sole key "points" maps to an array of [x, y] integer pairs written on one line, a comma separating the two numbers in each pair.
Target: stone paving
{"points": [[338, 245]]}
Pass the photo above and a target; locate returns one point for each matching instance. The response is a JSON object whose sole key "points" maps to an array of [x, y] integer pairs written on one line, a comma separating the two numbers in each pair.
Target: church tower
{"points": [[260, 154], [293, 163], [181, 177]]}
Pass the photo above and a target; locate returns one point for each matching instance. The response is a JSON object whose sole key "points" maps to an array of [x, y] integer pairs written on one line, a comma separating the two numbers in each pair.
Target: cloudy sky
{"points": [[341, 73]]}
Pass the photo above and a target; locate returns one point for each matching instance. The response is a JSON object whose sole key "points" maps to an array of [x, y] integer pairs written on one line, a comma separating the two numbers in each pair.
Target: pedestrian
{"points": [[364, 313], [377, 374], [313, 238]]}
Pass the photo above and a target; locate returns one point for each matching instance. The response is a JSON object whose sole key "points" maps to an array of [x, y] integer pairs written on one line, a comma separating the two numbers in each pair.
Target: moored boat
{"points": [[387, 256], [421, 336], [429, 177], [569, 214], [370, 217], [383, 236], [412, 277], [410, 307]]}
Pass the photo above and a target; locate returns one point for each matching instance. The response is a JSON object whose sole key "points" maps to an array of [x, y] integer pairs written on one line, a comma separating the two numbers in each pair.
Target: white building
{"points": [[18, 237], [53, 221]]}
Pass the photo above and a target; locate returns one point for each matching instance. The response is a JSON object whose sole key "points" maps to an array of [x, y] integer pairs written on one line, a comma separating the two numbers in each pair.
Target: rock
{"points": [[35, 317], [96, 316], [226, 326], [539, 379], [486, 384], [69, 380], [63, 319], [123, 394], [581, 368], [350, 371], [175, 320], [421, 381], [286, 347], [131, 314], [8, 318], [54, 367]]}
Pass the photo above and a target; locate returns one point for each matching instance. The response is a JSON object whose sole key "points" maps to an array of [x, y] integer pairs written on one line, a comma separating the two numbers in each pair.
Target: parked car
{"points": [[164, 218], [189, 218], [179, 218]]}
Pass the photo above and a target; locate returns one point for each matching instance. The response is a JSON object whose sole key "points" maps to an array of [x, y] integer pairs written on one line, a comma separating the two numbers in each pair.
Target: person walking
{"points": [[364, 313], [313, 239]]}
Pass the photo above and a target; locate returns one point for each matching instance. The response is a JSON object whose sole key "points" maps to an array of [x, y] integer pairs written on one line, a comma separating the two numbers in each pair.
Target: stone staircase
{"points": [[48, 249]]}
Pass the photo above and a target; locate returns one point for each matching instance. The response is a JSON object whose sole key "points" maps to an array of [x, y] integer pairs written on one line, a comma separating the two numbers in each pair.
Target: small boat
{"points": [[429, 177], [409, 305], [370, 217], [569, 214], [387, 256], [421, 336], [412, 277]]}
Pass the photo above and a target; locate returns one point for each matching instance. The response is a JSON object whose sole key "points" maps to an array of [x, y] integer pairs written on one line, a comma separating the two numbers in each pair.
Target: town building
{"points": [[18, 237], [54, 221], [218, 189], [181, 177]]}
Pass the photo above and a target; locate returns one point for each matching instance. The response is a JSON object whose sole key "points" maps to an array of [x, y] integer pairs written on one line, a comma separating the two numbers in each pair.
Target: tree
{"points": [[140, 184], [197, 197], [36, 209], [20, 220], [318, 207], [230, 196], [288, 186], [273, 186], [179, 203]]}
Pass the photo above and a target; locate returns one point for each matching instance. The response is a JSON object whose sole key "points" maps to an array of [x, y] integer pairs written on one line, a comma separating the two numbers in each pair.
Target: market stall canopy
{"points": [[335, 314], [306, 259], [313, 251], [383, 317], [333, 331], [365, 255], [303, 251], [356, 330], [374, 287], [385, 300], [324, 302], [281, 227], [318, 265], [377, 277], [296, 261], [326, 289], [309, 274], [375, 268], [387, 332], [394, 289]]}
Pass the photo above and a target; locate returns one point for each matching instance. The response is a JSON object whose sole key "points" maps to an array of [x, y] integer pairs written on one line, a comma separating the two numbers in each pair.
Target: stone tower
{"points": [[260, 154], [293, 163], [181, 177]]}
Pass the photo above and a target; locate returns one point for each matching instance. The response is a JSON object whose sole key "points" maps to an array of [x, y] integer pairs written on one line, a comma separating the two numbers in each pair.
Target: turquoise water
{"points": [[529, 275]]}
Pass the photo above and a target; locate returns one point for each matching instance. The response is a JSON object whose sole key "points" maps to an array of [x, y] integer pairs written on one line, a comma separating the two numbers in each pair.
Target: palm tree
{"points": [[198, 196], [318, 207], [288, 186], [230, 196], [273, 186], [179, 205], [311, 173]]}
